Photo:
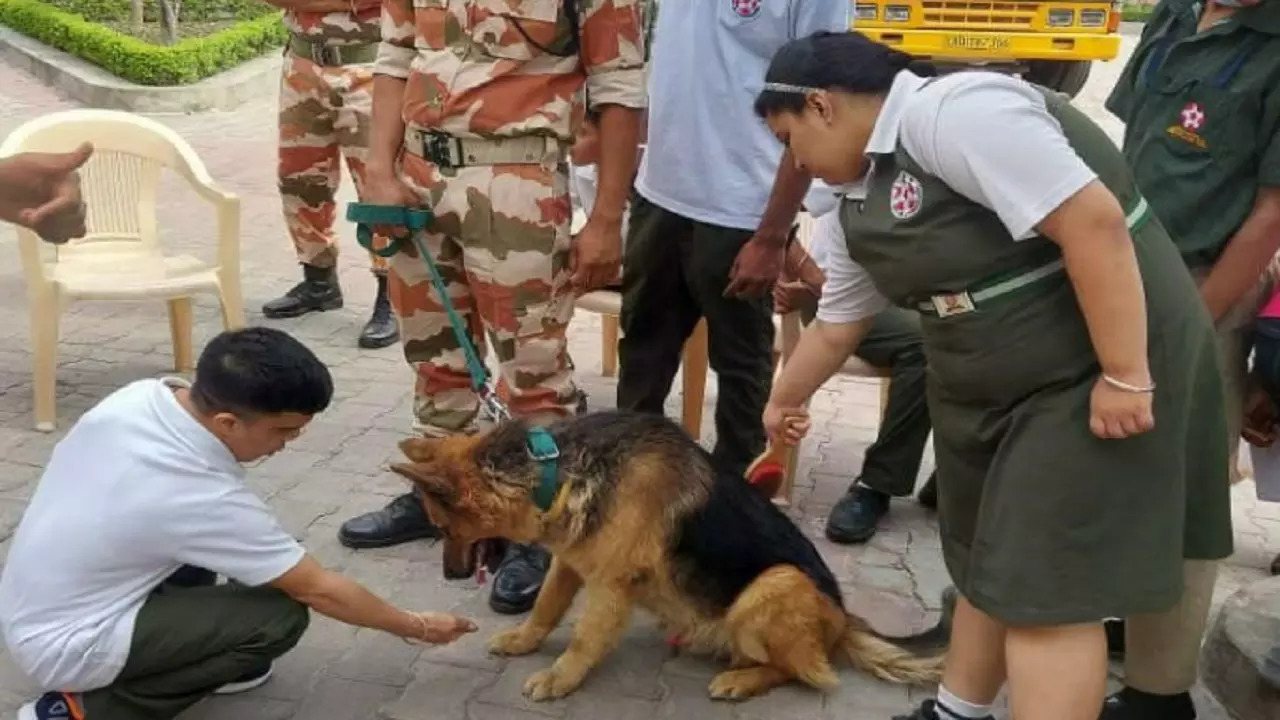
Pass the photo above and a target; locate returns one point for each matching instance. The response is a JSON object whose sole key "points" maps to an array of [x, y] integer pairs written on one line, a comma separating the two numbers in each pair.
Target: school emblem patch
{"points": [[746, 8], [1191, 120], [1193, 116], [905, 196]]}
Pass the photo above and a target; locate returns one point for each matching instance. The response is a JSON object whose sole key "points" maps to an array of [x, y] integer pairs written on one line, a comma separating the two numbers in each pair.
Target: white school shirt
{"points": [[135, 490], [1023, 171], [709, 157]]}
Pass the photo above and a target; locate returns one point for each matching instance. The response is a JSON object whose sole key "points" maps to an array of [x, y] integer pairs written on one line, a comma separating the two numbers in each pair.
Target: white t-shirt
{"points": [[989, 137], [135, 490], [709, 157]]}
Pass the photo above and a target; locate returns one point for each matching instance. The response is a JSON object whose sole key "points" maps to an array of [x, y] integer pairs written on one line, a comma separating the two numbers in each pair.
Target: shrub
{"points": [[192, 10], [182, 63], [1136, 12]]}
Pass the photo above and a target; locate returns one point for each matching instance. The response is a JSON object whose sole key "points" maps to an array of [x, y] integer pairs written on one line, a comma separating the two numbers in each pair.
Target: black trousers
{"points": [[675, 272]]}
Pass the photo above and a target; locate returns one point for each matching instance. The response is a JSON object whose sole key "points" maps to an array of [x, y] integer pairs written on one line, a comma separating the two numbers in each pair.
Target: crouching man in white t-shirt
{"points": [[107, 599]]}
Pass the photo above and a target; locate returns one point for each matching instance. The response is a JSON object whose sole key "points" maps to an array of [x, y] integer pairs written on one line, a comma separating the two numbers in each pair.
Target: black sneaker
{"points": [[247, 682], [928, 711], [53, 706], [519, 579], [1130, 704], [855, 516], [402, 520]]}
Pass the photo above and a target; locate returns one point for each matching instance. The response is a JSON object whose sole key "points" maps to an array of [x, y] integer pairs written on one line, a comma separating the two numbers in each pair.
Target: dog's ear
{"points": [[420, 449], [431, 483]]}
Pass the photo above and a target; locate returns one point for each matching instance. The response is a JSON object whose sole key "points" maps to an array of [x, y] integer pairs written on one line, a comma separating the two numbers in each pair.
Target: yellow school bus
{"points": [[1050, 42]]}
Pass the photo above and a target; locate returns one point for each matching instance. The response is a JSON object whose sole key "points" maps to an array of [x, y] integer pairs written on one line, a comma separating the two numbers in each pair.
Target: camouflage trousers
{"points": [[501, 242], [325, 115]]}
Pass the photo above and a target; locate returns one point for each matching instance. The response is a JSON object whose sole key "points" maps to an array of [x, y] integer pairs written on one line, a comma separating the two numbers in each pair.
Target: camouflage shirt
{"points": [[501, 68], [361, 25]]}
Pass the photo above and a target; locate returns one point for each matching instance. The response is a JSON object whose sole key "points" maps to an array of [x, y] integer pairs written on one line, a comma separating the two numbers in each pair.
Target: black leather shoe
{"points": [[382, 329], [519, 579], [318, 291], [928, 711], [928, 495], [1130, 704], [854, 518], [1115, 637], [402, 520]]}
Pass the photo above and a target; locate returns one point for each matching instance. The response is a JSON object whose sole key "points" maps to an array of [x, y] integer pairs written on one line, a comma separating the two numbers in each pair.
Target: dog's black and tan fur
{"points": [[643, 520]]}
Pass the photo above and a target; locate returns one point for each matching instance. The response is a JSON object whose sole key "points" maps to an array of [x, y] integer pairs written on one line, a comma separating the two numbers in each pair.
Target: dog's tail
{"points": [[915, 660]]}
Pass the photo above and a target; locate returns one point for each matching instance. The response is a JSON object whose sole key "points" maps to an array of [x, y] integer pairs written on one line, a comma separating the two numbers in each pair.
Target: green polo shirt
{"points": [[1202, 120]]}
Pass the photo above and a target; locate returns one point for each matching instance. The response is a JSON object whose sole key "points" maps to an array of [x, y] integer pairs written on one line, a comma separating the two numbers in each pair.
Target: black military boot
{"points": [[519, 579], [402, 520], [318, 291], [856, 515], [382, 329]]}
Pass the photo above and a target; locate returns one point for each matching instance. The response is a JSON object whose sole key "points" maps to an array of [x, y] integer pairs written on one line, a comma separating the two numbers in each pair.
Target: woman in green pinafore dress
{"points": [[1073, 379]]}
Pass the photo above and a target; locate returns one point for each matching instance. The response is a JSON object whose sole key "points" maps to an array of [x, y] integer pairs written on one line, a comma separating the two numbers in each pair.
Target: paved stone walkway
{"points": [[336, 470]]}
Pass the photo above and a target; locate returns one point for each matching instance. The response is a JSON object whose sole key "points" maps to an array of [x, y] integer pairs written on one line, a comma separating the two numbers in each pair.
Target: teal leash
{"points": [[541, 445]]}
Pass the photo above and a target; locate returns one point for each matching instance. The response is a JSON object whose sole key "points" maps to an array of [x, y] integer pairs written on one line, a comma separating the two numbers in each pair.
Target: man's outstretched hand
{"points": [[41, 191]]}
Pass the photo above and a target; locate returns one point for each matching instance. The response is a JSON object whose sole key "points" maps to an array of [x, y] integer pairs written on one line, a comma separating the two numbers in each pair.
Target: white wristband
{"points": [[1120, 385]]}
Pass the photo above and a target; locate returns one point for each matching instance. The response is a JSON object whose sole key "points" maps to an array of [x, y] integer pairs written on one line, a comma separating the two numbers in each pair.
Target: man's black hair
{"points": [[848, 61], [260, 371]]}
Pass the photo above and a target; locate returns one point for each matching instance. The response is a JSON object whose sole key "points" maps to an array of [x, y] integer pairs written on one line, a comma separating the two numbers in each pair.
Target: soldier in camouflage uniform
{"points": [[473, 100], [326, 96]]}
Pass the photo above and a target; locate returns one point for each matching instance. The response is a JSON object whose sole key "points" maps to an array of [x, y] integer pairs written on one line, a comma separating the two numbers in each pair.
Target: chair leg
{"points": [[44, 340], [609, 345], [695, 379], [180, 322], [232, 304]]}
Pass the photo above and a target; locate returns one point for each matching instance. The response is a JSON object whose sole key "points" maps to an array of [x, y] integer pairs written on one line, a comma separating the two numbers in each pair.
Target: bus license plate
{"points": [[981, 43]]}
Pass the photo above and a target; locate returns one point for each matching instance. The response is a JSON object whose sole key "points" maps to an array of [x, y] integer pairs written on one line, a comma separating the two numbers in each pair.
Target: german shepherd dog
{"points": [[642, 519]]}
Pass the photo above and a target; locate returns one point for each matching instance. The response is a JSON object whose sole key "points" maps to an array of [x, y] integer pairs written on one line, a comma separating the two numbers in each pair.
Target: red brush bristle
{"points": [[767, 477]]}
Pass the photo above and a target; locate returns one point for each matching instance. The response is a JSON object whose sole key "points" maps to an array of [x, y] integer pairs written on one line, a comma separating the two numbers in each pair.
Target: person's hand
{"points": [[595, 257], [440, 628], [792, 295], [388, 189], [785, 425], [756, 267], [1115, 413], [41, 191]]}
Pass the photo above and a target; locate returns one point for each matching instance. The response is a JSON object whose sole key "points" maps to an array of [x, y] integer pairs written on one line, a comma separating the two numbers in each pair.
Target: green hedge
{"points": [[192, 10], [1134, 12], [182, 63]]}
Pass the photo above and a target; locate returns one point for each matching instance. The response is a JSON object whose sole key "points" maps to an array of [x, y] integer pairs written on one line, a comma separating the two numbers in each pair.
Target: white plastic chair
{"points": [[121, 256]]}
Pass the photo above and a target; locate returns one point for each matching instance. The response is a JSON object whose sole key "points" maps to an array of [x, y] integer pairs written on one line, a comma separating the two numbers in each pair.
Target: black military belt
{"points": [[328, 55], [450, 151]]}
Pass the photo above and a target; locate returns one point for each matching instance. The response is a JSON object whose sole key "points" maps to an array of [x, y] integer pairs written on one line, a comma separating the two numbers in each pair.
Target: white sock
{"points": [[950, 707]]}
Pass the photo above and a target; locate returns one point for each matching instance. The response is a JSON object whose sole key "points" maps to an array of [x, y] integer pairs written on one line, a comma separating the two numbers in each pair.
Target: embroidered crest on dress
{"points": [[1191, 120], [905, 196], [746, 8]]}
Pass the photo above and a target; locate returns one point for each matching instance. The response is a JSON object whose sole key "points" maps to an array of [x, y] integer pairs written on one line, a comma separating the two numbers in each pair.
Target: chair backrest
{"points": [[119, 182]]}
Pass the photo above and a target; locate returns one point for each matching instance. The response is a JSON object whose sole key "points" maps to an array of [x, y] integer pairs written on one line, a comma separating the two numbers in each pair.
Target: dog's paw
{"points": [[549, 685], [738, 684], [513, 641]]}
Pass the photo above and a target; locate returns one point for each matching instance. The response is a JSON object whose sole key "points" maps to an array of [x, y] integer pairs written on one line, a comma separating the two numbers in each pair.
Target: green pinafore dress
{"points": [[1043, 523]]}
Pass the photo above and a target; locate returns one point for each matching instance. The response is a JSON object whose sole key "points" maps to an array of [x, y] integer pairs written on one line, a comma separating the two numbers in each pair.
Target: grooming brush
{"points": [[767, 471]]}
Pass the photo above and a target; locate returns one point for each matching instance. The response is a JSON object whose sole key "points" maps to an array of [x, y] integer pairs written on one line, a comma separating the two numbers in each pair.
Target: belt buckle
{"points": [[326, 55], [441, 149], [953, 304]]}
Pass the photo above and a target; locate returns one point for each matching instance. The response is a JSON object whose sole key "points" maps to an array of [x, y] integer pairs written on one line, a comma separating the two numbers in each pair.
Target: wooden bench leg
{"points": [[695, 379]]}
